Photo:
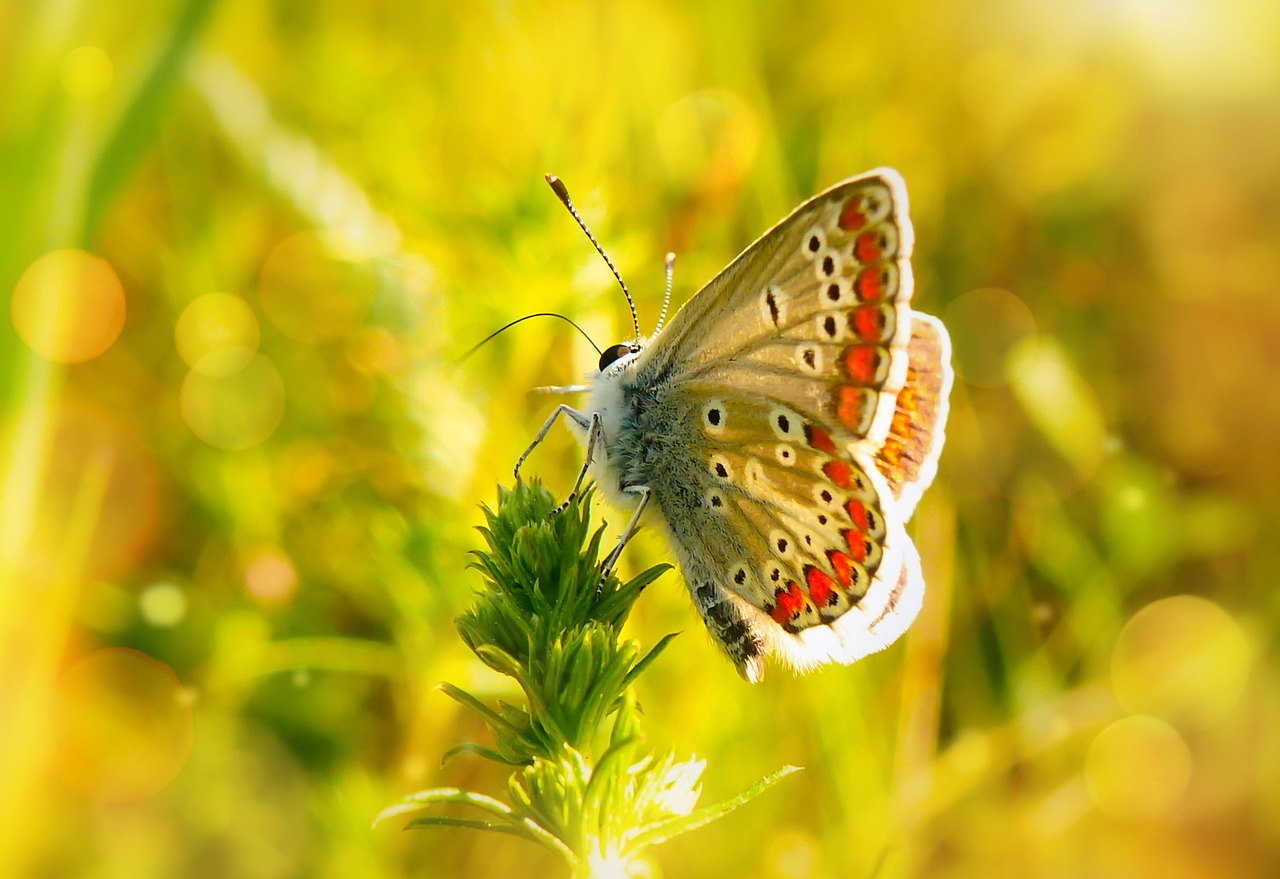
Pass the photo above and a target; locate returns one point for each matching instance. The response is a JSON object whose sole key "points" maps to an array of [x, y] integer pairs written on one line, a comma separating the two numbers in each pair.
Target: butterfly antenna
{"points": [[670, 263], [562, 193], [478, 345]]}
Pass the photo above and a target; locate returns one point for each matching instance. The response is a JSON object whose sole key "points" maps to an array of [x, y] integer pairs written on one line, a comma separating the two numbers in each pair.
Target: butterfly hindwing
{"points": [[908, 458], [782, 535]]}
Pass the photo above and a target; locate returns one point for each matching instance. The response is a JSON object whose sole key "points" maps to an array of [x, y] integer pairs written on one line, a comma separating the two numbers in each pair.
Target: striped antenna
{"points": [[562, 193], [670, 263]]}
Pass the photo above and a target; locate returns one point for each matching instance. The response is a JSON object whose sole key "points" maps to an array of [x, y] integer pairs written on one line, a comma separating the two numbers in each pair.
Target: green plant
{"points": [[587, 784]]}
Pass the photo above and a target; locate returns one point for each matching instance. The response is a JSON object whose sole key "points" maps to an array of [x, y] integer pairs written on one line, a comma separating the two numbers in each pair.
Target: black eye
{"points": [[609, 355]]}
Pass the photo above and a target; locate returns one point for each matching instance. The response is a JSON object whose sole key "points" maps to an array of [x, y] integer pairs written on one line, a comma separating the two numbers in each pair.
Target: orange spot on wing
{"points": [[862, 363], [902, 422], [857, 545], [867, 247], [790, 601], [869, 322], [857, 511], [892, 453], [820, 585], [842, 565], [840, 473], [849, 407], [870, 284], [851, 216], [820, 439], [909, 398]]}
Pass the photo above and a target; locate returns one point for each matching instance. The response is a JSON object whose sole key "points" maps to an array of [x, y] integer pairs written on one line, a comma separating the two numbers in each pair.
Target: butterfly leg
{"points": [[594, 435], [644, 492], [578, 418]]}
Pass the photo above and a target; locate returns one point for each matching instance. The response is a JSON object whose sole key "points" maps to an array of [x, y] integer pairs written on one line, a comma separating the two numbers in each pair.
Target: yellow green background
{"points": [[241, 244]]}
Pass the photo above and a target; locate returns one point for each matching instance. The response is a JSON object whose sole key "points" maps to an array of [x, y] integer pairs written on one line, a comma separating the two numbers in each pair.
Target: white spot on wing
{"points": [[827, 497], [786, 424], [714, 417], [719, 466], [773, 306], [835, 293], [830, 325], [809, 358], [876, 202], [813, 235], [715, 501], [827, 265], [782, 544]]}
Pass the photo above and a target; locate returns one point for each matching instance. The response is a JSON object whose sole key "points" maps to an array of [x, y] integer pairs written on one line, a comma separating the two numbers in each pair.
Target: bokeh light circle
{"points": [[86, 72], [163, 605], [1137, 768], [122, 726], [234, 412], [68, 306], [217, 334], [986, 325], [311, 293], [271, 578], [1181, 658]]}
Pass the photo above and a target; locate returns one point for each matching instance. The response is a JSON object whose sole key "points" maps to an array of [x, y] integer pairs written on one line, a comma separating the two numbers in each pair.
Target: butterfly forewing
{"points": [[817, 311]]}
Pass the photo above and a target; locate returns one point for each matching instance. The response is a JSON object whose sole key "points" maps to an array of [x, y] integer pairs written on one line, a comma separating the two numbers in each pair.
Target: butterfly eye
{"points": [[609, 355]]}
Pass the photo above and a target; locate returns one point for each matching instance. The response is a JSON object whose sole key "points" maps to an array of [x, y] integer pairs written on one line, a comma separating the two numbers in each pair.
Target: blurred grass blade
{"points": [[138, 124]]}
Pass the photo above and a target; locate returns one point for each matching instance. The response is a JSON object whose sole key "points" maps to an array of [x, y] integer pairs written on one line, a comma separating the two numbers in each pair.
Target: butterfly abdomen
{"points": [[735, 635]]}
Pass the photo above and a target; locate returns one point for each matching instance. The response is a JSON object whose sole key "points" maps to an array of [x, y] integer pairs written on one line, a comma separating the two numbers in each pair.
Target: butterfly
{"points": [[780, 431]]}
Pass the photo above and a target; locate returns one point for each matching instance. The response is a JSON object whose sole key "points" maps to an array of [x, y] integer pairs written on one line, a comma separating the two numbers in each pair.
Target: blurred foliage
{"points": [[242, 242]]}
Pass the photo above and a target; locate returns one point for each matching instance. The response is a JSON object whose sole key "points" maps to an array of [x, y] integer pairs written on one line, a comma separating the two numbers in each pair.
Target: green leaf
{"points": [[493, 717], [501, 661], [647, 659], [610, 764], [479, 751], [526, 828], [422, 799], [474, 823]]}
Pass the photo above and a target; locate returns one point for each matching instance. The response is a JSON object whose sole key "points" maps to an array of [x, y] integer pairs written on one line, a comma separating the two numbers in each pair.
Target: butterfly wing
{"points": [[818, 309], [908, 458], [791, 546], [773, 443]]}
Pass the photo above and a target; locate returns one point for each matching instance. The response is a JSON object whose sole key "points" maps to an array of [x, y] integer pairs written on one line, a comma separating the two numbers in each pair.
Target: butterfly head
{"points": [[622, 353]]}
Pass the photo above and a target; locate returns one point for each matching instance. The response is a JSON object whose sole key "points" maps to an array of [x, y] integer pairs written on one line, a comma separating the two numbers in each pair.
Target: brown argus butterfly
{"points": [[781, 430]]}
